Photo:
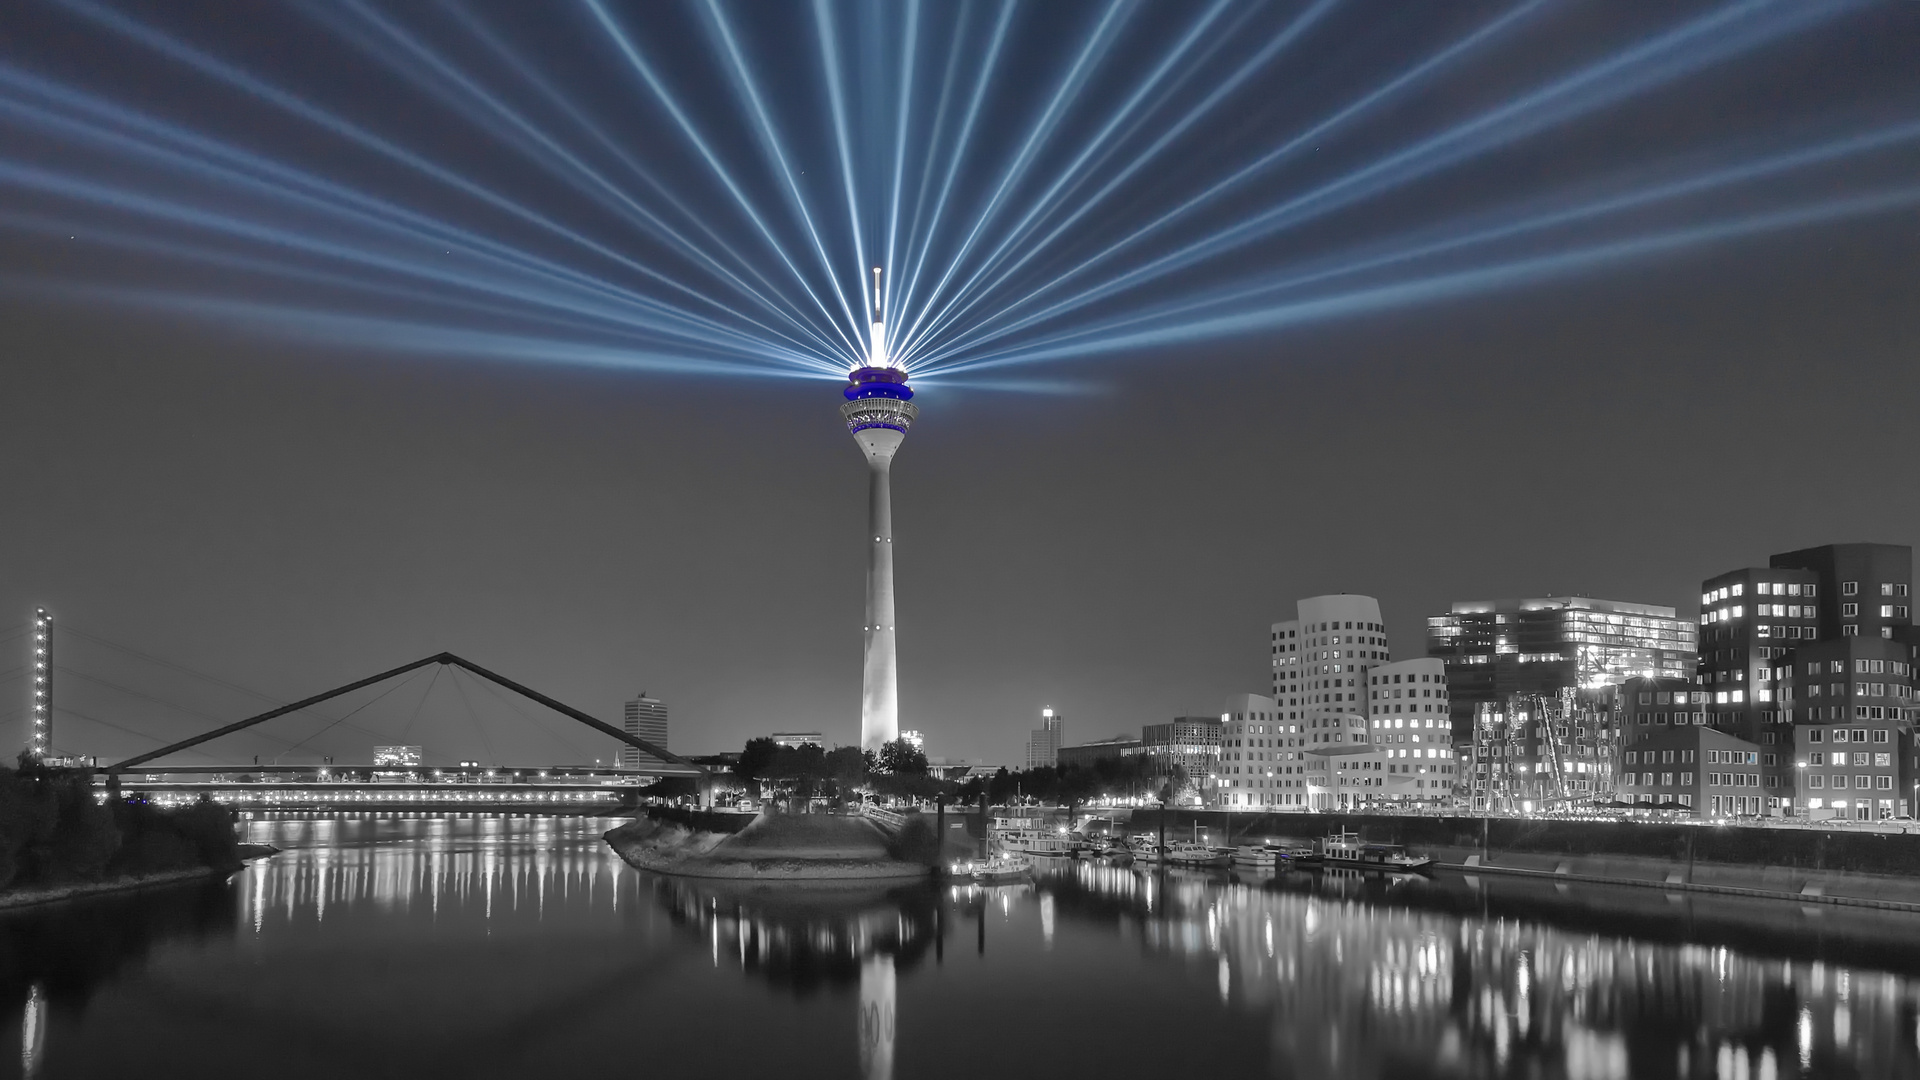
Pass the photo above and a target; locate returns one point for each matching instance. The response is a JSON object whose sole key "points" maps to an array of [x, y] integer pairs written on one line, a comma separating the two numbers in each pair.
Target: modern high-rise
{"points": [[878, 411], [1542, 645], [1320, 661], [1851, 704], [1044, 742], [644, 718], [1865, 587], [1761, 628]]}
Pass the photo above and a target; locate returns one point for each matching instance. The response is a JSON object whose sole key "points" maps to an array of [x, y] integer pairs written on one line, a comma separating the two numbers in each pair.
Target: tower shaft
{"points": [[878, 411], [880, 684]]}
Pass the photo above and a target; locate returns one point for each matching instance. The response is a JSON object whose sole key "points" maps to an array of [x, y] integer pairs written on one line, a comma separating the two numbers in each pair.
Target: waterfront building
{"points": [[914, 739], [1761, 625], [1043, 742], [1850, 704], [794, 740], [1693, 768], [1259, 764], [1494, 649], [1086, 754], [1750, 619], [1192, 743], [644, 718], [1320, 661], [1410, 721], [1863, 590], [1543, 751]]}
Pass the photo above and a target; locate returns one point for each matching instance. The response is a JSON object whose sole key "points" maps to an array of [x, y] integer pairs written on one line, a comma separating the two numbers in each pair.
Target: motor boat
{"points": [[1348, 850]]}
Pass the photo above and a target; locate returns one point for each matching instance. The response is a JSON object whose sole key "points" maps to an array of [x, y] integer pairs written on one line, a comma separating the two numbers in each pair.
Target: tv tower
{"points": [[878, 411]]}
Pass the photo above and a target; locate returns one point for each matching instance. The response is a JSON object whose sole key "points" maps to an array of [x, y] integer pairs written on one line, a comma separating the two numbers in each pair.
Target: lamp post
{"points": [[1800, 787]]}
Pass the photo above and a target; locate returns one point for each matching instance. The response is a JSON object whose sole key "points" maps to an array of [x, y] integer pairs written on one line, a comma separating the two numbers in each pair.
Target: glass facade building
{"points": [[1494, 649]]}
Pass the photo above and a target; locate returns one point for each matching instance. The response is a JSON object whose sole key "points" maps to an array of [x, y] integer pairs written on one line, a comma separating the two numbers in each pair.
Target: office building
{"points": [[1693, 768], [1257, 764], [1850, 703], [1044, 742], [1762, 626], [1320, 661], [914, 739], [1552, 751], [1410, 721], [1864, 587], [1750, 619], [644, 718], [1086, 755], [1189, 743], [1540, 646]]}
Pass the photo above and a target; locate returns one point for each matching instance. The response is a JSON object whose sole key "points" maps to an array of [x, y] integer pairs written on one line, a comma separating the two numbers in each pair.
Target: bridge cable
{"points": [[478, 728], [183, 669], [163, 703], [529, 718], [369, 703], [421, 704], [64, 711]]}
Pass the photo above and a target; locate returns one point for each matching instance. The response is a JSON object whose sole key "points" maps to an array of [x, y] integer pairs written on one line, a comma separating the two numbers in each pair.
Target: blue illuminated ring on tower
{"points": [[877, 397]]}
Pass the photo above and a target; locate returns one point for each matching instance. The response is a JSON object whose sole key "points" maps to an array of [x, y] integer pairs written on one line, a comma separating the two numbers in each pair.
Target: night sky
{"points": [[290, 468]]}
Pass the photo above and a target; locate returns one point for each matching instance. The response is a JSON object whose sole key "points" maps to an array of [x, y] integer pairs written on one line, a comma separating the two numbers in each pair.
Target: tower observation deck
{"points": [[878, 411]]}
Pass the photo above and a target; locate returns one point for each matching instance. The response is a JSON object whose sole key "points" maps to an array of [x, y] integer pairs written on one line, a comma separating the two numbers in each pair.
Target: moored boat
{"points": [[1000, 868], [1348, 850]]}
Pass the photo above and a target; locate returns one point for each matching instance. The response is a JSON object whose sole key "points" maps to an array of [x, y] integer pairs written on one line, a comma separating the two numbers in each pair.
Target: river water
{"points": [[524, 948]]}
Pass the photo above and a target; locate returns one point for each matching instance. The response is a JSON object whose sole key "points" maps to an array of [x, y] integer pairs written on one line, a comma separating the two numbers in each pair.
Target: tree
{"points": [[902, 758], [847, 768], [755, 758]]}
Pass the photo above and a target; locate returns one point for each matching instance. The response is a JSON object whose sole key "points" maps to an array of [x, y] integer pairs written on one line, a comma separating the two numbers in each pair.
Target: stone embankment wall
{"points": [[1808, 864]]}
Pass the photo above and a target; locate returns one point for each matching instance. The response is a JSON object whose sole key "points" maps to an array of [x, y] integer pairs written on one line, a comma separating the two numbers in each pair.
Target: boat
{"points": [[1348, 850], [1270, 856], [1198, 856], [1000, 868], [1182, 853], [1035, 842]]}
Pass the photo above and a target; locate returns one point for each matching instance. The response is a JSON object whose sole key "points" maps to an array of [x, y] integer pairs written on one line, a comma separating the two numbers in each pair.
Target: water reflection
{"points": [[1370, 975], [514, 948]]}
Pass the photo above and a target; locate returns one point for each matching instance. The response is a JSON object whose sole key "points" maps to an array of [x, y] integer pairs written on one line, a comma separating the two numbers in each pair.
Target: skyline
{"points": [[1109, 535]]}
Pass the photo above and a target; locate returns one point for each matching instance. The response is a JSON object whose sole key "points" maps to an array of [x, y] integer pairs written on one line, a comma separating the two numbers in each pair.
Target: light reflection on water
{"points": [[523, 947]]}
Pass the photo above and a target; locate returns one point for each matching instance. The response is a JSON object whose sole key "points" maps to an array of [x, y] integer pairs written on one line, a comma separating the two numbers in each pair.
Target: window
{"points": [[1809, 590], [1883, 761], [1884, 783], [1817, 758], [1859, 734], [1849, 630], [1849, 611], [1815, 735], [1880, 735], [1849, 588], [1886, 611], [1816, 781], [1838, 781]]}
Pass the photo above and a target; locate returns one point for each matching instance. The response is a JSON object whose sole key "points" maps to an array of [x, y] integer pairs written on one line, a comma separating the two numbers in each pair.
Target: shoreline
{"points": [[830, 849], [37, 897]]}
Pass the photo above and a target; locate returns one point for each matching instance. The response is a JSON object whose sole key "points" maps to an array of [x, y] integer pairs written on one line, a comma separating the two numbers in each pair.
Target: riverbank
{"points": [[39, 896], [772, 847]]}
